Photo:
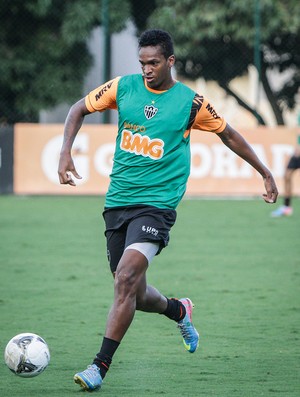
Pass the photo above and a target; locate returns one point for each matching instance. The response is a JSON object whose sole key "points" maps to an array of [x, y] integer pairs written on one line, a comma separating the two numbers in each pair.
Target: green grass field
{"points": [[239, 266]]}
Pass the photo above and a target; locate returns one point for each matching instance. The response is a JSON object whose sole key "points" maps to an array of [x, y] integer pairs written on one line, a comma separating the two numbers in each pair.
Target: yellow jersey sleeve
{"points": [[103, 97], [207, 119]]}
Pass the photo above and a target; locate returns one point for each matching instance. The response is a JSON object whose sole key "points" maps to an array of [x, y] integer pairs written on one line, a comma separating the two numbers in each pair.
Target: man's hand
{"points": [[65, 170], [271, 196], [73, 124], [240, 146]]}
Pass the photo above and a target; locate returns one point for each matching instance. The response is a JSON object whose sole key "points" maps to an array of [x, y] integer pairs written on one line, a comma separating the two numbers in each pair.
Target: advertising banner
{"points": [[215, 170]]}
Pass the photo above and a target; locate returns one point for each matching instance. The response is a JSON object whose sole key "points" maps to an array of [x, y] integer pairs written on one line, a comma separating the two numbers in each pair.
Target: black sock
{"points": [[103, 359], [287, 201], [175, 310]]}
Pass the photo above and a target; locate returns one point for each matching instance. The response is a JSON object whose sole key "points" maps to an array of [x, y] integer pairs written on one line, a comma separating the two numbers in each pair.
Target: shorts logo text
{"points": [[142, 145], [149, 229]]}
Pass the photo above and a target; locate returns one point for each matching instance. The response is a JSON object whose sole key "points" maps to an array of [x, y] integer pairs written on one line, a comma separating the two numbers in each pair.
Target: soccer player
{"points": [[150, 171], [293, 164]]}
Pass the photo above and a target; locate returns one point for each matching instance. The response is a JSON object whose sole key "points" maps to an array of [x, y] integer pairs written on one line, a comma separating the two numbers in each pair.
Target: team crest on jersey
{"points": [[150, 111]]}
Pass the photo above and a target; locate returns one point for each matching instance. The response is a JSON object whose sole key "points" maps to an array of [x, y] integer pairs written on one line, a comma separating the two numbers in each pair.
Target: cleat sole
{"points": [[81, 382]]}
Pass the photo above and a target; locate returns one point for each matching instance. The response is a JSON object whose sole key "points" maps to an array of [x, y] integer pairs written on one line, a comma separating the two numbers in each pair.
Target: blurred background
{"points": [[243, 56]]}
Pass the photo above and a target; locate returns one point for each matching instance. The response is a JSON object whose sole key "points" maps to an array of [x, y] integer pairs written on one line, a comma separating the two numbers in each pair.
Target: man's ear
{"points": [[171, 60]]}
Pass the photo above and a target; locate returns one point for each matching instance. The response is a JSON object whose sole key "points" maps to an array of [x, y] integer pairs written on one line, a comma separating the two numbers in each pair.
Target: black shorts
{"points": [[135, 224], [294, 163]]}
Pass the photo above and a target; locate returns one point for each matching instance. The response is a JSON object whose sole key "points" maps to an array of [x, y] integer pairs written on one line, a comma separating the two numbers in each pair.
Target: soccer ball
{"points": [[27, 355]]}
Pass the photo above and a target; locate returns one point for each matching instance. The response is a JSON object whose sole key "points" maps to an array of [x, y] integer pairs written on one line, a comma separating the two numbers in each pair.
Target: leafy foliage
{"points": [[141, 11], [44, 52], [216, 39], [45, 56]]}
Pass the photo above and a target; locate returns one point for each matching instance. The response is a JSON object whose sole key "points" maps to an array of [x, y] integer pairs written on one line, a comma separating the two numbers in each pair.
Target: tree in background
{"points": [[140, 12], [44, 52], [215, 40], [45, 56]]}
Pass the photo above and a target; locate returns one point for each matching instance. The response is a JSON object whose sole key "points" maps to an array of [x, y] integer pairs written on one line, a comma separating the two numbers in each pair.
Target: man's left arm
{"points": [[235, 142]]}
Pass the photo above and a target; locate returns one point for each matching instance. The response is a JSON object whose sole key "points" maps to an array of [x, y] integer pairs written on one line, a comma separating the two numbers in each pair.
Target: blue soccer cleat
{"points": [[89, 379], [187, 330], [282, 211]]}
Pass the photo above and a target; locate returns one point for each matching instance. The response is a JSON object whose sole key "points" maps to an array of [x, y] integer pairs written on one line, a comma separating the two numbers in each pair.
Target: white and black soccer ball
{"points": [[27, 355]]}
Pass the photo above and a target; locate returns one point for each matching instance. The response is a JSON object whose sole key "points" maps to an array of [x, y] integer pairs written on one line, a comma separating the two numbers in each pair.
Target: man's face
{"points": [[156, 68]]}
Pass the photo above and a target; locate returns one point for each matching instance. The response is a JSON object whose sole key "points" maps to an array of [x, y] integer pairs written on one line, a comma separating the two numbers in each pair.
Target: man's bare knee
{"points": [[130, 272]]}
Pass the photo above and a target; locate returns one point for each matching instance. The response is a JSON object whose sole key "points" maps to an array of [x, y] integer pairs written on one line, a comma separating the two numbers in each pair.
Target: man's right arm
{"points": [[100, 99], [73, 124]]}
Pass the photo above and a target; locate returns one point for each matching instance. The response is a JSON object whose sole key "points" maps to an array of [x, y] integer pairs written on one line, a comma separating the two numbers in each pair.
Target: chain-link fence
{"points": [[243, 55]]}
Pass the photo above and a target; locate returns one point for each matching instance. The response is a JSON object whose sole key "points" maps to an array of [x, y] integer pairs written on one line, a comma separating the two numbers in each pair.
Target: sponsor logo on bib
{"points": [[142, 145]]}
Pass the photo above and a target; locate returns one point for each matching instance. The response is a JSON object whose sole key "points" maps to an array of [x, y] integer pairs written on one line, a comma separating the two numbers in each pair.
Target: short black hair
{"points": [[154, 37]]}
